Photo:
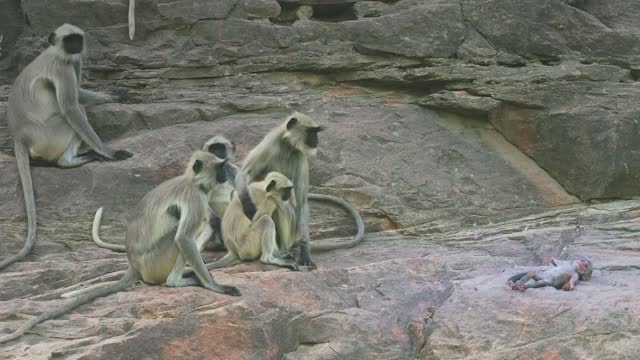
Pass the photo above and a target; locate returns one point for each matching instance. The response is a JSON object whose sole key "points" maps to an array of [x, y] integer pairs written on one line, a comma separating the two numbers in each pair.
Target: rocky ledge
{"points": [[478, 139]]}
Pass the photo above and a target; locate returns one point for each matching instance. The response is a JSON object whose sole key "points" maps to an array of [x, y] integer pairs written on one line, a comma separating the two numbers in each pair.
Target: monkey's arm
{"points": [[242, 186], [75, 116], [187, 246], [232, 171], [571, 284]]}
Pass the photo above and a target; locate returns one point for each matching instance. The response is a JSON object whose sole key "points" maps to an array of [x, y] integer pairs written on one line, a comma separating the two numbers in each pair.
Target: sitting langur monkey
{"points": [[161, 239], [219, 196], [47, 121], [286, 149], [250, 239], [563, 275]]}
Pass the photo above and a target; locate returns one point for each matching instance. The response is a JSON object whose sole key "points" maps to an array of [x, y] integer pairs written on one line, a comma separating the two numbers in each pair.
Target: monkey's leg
{"points": [[516, 282], [189, 251], [70, 158], [265, 230], [305, 246], [228, 260], [536, 284], [175, 278]]}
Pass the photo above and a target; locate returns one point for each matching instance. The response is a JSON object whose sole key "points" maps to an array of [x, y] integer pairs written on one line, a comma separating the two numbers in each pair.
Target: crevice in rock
{"points": [[334, 12], [292, 12], [578, 5]]}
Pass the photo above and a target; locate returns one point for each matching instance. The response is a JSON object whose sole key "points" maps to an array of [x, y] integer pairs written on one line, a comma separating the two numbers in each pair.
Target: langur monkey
{"points": [[47, 121], [286, 149], [563, 275], [250, 239], [219, 196], [161, 239]]}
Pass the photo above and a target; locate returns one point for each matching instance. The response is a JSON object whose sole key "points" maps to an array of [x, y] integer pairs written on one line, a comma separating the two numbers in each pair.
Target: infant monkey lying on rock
{"points": [[563, 275]]}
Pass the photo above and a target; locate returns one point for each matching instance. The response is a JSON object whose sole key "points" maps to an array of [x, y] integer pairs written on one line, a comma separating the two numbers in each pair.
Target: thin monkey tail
{"points": [[516, 277], [22, 158], [96, 237], [127, 280], [132, 18], [357, 239]]}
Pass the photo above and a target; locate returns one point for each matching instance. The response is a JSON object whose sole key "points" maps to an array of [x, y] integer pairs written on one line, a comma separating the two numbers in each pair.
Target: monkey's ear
{"points": [[197, 166], [291, 123], [52, 38], [272, 184]]}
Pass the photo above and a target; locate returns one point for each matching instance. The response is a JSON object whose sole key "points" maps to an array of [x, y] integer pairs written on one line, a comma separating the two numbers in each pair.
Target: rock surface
{"points": [[475, 138]]}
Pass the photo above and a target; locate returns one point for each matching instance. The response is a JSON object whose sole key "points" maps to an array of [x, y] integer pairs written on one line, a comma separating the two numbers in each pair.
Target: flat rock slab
{"points": [[394, 297]]}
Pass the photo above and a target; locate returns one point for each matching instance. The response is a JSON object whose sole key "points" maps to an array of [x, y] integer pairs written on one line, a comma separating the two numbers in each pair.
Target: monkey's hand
{"points": [[568, 286], [120, 95]]}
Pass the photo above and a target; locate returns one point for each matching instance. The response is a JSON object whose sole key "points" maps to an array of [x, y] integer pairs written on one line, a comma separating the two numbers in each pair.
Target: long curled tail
{"points": [[132, 18], [358, 238], [129, 279], [96, 238], [22, 158]]}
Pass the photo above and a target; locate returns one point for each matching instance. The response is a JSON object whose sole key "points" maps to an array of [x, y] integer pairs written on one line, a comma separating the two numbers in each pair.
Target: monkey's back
{"points": [[33, 98], [150, 238]]}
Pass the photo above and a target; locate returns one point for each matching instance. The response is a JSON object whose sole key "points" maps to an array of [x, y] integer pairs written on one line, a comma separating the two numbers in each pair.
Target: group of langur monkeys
{"points": [[257, 210]]}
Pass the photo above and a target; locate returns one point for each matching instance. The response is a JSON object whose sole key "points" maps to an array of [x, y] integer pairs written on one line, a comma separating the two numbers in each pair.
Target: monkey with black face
{"points": [[249, 239], [46, 118], [219, 196], [162, 238], [286, 150], [563, 275]]}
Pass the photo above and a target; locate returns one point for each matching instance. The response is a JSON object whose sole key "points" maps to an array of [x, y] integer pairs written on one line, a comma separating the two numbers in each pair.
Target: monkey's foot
{"points": [[122, 155], [568, 287], [518, 285], [230, 290], [306, 261]]}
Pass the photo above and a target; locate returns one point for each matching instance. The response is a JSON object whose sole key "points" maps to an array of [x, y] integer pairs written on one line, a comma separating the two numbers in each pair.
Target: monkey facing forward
{"points": [[47, 120], [563, 275], [286, 150], [249, 239], [162, 238]]}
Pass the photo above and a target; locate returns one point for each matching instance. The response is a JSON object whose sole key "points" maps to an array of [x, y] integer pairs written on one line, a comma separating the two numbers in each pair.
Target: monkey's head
{"points": [[278, 186], [583, 268], [207, 169], [301, 132], [69, 42], [221, 147]]}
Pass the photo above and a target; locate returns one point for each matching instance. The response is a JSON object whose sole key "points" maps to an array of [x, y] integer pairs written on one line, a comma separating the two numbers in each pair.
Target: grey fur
{"points": [[285, 151], [250, 239], [159, 245], [47, 121]]}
